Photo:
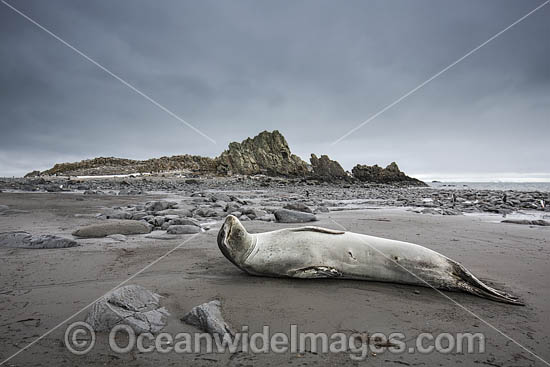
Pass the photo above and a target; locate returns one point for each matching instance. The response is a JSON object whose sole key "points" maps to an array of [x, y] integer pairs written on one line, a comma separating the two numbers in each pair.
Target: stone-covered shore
{"points": [[274, 192]]}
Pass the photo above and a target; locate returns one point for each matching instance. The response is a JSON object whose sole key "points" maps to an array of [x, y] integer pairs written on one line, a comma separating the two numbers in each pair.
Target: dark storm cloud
{"points": [[312, 69]]}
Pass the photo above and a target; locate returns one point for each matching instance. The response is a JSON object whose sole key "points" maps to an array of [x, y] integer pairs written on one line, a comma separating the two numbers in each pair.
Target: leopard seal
{"points": [[314, 252]]}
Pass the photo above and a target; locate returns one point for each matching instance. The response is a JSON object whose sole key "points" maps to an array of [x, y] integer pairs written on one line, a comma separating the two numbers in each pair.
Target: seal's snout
{"points": [[229, 231], [233, 239]]}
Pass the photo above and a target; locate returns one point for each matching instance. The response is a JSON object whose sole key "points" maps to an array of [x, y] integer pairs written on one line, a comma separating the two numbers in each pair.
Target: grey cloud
{"points": [[312, 69]]}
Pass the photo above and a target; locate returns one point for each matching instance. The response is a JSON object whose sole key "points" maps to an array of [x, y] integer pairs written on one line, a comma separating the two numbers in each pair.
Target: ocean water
{"points": [[515, 186]]}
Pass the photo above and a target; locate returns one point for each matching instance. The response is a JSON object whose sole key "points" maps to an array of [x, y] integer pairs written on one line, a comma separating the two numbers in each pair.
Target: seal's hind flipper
{"points": [[313, 272], [469, 283], [317, 229]]}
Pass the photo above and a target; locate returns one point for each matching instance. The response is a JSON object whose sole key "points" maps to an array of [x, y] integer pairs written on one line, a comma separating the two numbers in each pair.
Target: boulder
{"points": [[183, 229], [132, 305], [126, 227], [292, 216], [208, 317]]}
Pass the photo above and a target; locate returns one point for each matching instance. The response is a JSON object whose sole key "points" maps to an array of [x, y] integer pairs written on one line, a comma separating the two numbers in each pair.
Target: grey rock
{"points": [[126, 227], [244, 218], [300, 207], [219, 196], [291, 216], [119, 214], [26, 240], [15, 239], [178, 212], [50, 241], [208, 212], [183, 229], [156, 206], [232, 207], [538, 222], [185, 221], [157, 221], [4, 208], [132, 305], [138, 215], [254, 213], [208, 317]]}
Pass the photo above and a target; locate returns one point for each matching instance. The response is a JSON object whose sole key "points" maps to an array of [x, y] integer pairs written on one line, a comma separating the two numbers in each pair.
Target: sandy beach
{"points": [[41, 288]]}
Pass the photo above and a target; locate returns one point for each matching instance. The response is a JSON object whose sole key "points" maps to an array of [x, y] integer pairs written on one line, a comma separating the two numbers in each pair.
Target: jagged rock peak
{"points": [[267, 153]]}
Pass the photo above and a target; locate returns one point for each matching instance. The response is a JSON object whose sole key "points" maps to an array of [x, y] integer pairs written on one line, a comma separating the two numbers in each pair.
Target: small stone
{"points": [[208, 317]]}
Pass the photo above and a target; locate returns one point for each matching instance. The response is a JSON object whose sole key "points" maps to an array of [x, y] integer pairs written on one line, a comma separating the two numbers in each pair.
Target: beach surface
{"points": [[46, 289]]}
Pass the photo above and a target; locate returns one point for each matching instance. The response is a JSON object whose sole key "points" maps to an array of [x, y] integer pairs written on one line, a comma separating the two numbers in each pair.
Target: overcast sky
{"points": [[311, 69]]}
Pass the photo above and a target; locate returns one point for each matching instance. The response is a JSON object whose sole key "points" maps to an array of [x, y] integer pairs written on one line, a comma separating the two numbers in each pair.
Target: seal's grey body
{"points": [[314, 252]]}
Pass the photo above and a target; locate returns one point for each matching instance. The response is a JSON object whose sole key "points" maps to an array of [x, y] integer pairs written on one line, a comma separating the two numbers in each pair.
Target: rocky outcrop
{"points": [[267, 153], [117, 166], [326, 169], [389, 175]]}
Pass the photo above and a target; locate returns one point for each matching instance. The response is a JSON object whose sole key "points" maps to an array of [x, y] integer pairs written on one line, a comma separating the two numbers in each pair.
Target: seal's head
{"points": [[234, 241]]}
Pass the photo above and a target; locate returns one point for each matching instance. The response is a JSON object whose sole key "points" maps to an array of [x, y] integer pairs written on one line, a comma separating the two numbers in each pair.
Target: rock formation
{"points": [[389, 175], [326, 169], [267, 153]]}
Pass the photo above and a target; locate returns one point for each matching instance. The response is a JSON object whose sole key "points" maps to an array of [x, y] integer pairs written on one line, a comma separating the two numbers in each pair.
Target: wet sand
{"points": [[41, 288]]}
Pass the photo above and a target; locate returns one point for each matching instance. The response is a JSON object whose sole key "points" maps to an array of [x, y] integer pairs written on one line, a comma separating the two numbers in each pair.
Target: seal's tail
{"points": [[469, 283]]}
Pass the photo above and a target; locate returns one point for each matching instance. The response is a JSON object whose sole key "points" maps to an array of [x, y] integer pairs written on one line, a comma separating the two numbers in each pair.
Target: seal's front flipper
{"points": [[313, 272]]}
